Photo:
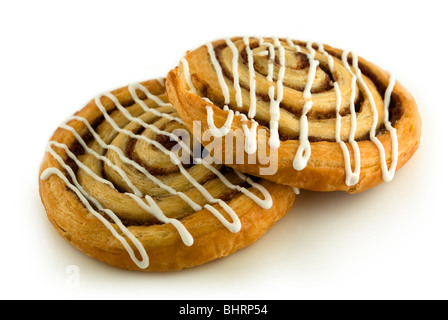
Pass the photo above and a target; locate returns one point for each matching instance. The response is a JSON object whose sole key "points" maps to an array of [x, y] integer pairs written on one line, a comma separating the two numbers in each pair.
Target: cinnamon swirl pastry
{"points": [[324, 118], [114, 186]]}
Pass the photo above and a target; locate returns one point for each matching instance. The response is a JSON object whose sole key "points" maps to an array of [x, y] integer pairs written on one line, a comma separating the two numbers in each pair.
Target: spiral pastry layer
{"points": [[328, 118], [114, 186]]}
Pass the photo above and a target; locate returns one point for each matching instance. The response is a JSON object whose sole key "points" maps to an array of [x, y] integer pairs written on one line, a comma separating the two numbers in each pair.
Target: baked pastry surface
{"points": [[330, 120], [114, 188]]}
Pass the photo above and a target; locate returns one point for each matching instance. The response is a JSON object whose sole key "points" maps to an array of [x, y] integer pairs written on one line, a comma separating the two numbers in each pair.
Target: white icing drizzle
{"points": [[234, 226], [296, 190], [329, 57], [99, 157], [393, 132], [388, 174], [123, 110], [293, 45], [262, 53], [312, 71], [235, 73], [225, 129], [128, 161], [209, 101], [241, 115], [150, 205], [252, 81], [351, 177], [133, 87], [89, 171], [186, 69], [304, 151], [85, 198], [266, 203], [271, 49], [153, 208], [250, 136], [274, 109], [218, 69]]}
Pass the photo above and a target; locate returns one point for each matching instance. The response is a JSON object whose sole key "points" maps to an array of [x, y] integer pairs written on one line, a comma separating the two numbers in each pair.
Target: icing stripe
{"points": [[250, 137], [128, 161], [388, 174], [274, 110], [174, 158], [103, 158], [293, 45], [85, 198], [304, 151], [312, 71], [218, 69], [153, 209], [225, 129], [151, 206], [187, 75], [236, 77], [351, 177], [252, 82], [133, 87]]}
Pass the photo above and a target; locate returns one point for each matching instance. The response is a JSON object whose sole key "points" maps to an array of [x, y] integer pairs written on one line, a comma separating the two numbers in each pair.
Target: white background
{"points": [[386, 243]]}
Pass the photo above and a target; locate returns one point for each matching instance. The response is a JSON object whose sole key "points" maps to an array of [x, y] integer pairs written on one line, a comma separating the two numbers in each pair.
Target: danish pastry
{"points": [[114, 186], [317, 117]]}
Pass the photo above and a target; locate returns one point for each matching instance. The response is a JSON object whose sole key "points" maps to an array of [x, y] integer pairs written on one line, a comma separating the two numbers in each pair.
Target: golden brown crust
{"points": [[325, 170], [162, 242]]}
